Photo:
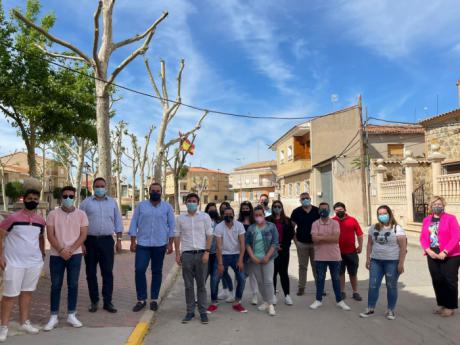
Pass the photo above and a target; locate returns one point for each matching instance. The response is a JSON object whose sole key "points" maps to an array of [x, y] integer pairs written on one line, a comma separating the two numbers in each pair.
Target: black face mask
{"points": [[213, 214], [154, 196], [31, 205], [265, 203], [245, 213], [228, 219], [340, 214]]}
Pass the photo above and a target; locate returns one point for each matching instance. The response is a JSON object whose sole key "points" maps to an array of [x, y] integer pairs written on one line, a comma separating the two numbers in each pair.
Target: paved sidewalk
{"points": [[99, 327]]}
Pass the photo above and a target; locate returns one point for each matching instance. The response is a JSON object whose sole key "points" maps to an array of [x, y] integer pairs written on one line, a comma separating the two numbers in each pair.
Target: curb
{"points": [[140, 330]]}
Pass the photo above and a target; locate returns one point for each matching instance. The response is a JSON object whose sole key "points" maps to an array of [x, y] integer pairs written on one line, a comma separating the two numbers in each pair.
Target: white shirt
{"points": [[230, 241], [192, 230]]}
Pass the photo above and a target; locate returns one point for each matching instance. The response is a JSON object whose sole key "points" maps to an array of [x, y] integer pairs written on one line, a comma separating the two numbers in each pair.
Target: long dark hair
{"points": [[251, 212], [283, 217], [209, 205], [222, 208], [393, 221]]}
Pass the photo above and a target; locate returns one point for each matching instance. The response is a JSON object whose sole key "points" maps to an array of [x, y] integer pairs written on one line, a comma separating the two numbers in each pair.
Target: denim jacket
{"points": [[269, 235]]}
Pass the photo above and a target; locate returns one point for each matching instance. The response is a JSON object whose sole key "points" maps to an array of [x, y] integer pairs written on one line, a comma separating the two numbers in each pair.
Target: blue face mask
{"points": [[68, 203], [306, 202], [384, 218], [99, 192], [192, 207]]}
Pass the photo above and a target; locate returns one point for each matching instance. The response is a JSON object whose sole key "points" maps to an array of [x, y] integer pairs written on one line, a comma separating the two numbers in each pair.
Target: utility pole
{"points": [[367, 167]]}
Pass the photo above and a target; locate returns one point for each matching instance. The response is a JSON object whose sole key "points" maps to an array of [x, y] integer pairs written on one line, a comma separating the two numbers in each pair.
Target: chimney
{"points": [[458, 89]]}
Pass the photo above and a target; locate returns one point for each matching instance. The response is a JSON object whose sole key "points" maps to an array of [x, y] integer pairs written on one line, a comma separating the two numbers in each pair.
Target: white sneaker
{"points": [[28, 328], [288, 300], [254, 299], [52, 323], [3, 333], [73, 321], [316, 304], [271, 310], [275, 300], [390, 315], [223, 294], [263, 306], [342, 305], [230, 298]]}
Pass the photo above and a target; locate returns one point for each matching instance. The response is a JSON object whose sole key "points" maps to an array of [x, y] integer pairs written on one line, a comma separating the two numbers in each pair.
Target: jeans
{"points": [[100, 250], [228, 261], [377, 270], [144, 256], [194, 270], [281, 268], [444, 275], [334, 269], [264, 277], [226, 279], [305, 253], [58, 266]]}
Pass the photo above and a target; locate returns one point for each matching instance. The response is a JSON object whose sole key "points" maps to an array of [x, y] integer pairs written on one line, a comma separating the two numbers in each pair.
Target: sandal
{"points": [[438, 311], [447, 312]]}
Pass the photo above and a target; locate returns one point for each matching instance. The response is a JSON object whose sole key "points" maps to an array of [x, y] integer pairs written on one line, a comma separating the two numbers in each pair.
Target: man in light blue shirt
{"points": [[152, 231], [104, 220]]}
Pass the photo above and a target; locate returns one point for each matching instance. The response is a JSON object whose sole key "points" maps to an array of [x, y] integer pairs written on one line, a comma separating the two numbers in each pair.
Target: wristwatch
{"points": [[207, 250]]}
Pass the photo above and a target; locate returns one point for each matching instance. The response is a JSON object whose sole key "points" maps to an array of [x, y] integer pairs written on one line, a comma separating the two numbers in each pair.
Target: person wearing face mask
{"points": [[349, 232], [264, 201], [262, 248], [192, 242], [285, 235], [227, 283], [439, 239], [303, 217], [66, 228], [104, 220], [152, 234], [386, 252], [22, 249], [325, 233], [246, 217], [230, 253]]}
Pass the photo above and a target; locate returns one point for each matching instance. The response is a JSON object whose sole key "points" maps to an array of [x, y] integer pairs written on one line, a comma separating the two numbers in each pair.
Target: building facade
{"points": [[250, 181]]}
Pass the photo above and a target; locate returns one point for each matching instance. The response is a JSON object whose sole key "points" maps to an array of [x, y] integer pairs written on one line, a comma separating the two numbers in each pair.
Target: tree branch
{"points": [[152, 80], [164, 87], [138, 37], [52, 38], [97, 14], [192, 131], [58, 55]]}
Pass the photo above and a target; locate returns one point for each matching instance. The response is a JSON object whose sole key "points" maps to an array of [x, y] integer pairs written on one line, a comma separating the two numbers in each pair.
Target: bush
{"points": [[14, 190], [57, 191], [125, 209]]}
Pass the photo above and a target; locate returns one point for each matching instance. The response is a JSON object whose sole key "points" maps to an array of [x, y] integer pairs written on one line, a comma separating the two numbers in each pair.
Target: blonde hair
{"points": [[436, 198]]}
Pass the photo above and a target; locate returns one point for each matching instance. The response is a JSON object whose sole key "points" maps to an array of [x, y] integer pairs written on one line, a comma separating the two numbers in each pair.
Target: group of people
{"points": [[255, 245]]}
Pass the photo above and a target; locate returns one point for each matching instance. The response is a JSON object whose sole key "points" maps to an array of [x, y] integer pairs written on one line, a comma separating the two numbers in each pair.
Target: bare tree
{"points": [[178, 168], [134, 158], [118, 149], [199, 185], [170, 109], [99, 62], [78, 148], [143, 160]]}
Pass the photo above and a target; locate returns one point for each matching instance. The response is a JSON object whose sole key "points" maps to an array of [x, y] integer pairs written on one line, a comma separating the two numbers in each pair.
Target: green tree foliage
{"points": [[14, 190]]}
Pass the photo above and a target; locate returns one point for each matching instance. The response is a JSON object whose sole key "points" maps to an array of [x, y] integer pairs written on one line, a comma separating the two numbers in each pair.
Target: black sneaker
{"points": [[188, 317], [357, 297], [93, 307], [154, 305], [139, 306], [204, 319], [367, 313], [344, 295]]}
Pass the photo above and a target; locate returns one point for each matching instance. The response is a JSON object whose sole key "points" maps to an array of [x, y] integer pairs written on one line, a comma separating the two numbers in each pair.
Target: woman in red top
{"points": [[286, 234]]}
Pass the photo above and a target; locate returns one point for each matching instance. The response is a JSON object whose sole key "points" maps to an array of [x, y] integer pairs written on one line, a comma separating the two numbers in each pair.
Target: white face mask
{"points": [[259, 219]]}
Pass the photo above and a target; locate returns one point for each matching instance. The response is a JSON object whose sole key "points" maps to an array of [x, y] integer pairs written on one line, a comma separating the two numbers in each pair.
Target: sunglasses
{"points": [[68, 197]]}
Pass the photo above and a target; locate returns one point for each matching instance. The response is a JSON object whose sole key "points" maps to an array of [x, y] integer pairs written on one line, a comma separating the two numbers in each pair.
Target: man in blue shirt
{"points": [[152, 231], [104, 220]]}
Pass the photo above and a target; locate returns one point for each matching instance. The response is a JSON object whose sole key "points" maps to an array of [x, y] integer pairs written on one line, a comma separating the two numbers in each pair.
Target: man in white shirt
{"points": [[230, 253], [192, 241]]}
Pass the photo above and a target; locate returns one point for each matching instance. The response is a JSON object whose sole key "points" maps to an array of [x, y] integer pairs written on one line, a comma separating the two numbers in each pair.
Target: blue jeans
{"points": [[226, 279], [378, 269], [145, 255], [334, 269], [228, 261], [58, 266]]}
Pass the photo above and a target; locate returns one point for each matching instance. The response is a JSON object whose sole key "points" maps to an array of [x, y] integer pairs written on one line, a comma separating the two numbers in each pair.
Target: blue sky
{"points": [[281, 57]]}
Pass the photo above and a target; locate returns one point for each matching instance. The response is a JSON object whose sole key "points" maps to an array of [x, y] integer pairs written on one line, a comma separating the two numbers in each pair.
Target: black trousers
{"points": [[281, 268], [444, 274], [100, 250]]}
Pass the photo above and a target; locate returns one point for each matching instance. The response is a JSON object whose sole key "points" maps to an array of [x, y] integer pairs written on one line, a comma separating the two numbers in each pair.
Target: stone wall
{"points": [[447, 136]]}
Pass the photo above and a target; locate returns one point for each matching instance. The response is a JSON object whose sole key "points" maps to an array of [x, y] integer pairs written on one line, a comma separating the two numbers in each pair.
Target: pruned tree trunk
{"points": [[118, 152], [101, 54], [80, 161], [4, 197], [176, 194], [43, 174]]}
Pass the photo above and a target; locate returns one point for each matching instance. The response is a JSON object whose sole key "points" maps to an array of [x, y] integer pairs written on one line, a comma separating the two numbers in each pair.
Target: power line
{"points": [[391, 121]]}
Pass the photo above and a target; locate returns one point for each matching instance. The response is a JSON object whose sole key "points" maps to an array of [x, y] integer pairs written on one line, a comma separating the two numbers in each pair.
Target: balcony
{"points": [[294, 167]]}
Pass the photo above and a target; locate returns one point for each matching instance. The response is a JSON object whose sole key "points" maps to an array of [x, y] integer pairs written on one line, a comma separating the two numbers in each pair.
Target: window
{"points": [[289, 153], [215, 197], [247, 181], [290, 189], [225, 198], [284, 189], [255, 181], [395, 150], [297, 188], [453, 168], [306, 187], [281, 156]]}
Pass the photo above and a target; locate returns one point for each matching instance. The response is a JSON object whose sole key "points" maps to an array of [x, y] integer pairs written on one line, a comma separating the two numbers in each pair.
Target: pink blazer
{"points": [[448, 234]]}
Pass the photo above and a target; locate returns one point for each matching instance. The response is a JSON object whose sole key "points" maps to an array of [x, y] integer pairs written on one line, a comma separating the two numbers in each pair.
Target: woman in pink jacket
{"points": [[440, 238]]}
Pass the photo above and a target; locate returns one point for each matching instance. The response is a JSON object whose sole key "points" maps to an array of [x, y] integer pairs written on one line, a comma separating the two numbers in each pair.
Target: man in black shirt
{"points": [[303, 217]]}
